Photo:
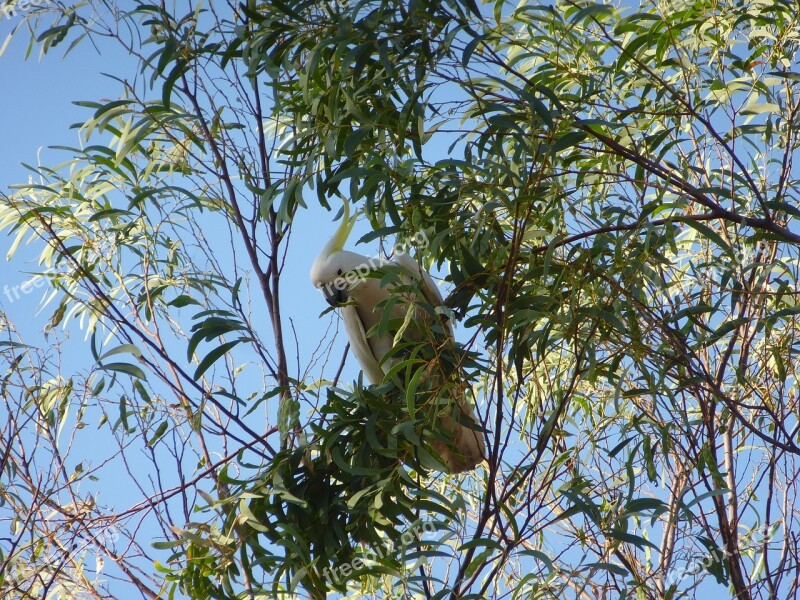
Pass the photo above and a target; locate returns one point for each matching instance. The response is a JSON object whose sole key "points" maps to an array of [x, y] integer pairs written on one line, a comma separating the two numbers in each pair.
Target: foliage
{"points": [[609, 192]]}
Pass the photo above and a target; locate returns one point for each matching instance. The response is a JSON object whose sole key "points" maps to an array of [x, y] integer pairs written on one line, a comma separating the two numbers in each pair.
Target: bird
{"points": [[342, 277]]}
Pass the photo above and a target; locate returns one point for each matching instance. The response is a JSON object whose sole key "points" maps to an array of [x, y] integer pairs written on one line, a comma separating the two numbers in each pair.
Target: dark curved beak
{"points": [[333, 295]]}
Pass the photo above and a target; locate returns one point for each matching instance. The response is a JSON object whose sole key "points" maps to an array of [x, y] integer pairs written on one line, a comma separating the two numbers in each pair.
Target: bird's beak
{"points": [[333, 295]]}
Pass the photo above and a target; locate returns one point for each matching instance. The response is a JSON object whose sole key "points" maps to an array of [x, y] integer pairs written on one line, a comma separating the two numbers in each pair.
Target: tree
{"points": [[608, 193]]}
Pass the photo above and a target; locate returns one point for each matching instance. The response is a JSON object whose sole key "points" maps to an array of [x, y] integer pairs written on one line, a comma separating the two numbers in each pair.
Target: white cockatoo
{"points": [[342, 278]]}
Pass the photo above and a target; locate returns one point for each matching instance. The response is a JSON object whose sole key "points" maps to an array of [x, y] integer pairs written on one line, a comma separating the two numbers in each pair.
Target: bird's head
{"points": [[330, 269]]}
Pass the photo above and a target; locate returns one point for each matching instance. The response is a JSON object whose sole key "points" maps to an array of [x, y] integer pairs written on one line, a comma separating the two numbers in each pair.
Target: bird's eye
{"points": [[339, 272]]}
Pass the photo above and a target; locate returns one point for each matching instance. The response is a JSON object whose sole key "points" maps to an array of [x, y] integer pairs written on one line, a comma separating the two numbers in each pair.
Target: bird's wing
{"points": [[362, 314], [429, 289], [467, 447], [360, 344]]}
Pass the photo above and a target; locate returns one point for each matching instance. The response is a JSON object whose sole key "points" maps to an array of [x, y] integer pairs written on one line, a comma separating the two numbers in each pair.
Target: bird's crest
{"points": [[334, 246], [339, 238]]}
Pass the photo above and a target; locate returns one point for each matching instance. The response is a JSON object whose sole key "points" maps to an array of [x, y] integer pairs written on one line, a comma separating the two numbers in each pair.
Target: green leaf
{"points": [[629, 538], [610, 567], [709, 234], [639, 505], [162, 429], [213, 357], [123, 349], [118, 367], [182, 300]]}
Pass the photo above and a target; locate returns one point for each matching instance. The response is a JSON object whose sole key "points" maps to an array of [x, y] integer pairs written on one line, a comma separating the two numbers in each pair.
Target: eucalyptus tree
{"points": [[608, 192]]}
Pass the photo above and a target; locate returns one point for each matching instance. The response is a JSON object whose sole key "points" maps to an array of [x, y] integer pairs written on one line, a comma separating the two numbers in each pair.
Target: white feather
{"points": [[366, 357]]}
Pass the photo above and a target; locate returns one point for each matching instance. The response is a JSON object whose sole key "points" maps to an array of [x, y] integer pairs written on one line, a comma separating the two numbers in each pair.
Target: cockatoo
{"points": [[342, 278]]}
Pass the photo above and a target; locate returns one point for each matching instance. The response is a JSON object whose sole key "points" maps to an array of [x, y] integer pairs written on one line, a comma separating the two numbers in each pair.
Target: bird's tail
{"points": [[462, 447]]}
